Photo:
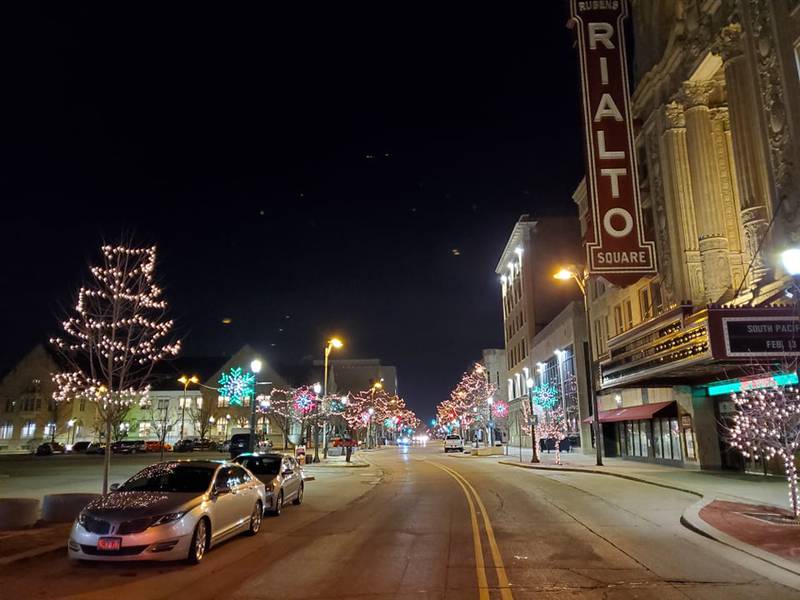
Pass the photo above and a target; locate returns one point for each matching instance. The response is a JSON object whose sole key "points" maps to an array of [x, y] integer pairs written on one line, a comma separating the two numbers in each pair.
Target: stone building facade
{"points": [[716, 106]]}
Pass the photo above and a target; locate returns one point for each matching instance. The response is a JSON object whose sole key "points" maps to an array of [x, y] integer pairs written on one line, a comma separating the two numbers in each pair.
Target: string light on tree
{"points": [[767, 425]]}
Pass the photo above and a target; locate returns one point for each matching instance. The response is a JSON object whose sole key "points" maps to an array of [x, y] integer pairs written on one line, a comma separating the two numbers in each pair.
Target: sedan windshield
{"points": [[262, 465], [170, 477]]}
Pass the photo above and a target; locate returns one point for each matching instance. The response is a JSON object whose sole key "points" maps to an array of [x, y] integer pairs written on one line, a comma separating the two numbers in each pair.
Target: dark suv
{"points": [[240, 443]]}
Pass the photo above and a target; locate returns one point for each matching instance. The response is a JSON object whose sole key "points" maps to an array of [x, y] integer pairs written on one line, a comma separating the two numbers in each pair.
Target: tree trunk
{"points": [[534, 455], [107, 458], [791, 476]]}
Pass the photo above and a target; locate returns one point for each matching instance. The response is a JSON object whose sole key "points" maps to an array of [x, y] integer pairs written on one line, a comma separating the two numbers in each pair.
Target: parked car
{"points": [[186, 445], [95, 448], [128, 447], [240, 442], [281, 475], [192, 444], [49, 448], [224, 446], [155, 446], [80, 447], [453, 443], [170, 511]]}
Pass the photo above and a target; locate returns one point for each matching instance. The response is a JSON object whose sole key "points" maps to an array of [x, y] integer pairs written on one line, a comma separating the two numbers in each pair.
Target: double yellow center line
{"points": [[480, 565]]}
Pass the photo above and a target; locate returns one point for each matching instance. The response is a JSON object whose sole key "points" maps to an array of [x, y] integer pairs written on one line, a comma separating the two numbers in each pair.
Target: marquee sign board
{"points": [[615, 248]]}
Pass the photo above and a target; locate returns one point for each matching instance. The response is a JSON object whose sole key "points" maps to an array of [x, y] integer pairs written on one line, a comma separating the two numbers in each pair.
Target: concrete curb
{"points": [[599, 472], [7, 560], [690, 518]]}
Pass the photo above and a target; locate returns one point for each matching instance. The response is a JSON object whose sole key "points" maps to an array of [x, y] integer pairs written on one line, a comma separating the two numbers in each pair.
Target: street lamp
{"points": [[186, 380], [370, 412], [566, 274], [490, 402], [70, 425], [337, 344], [255, 368], [791, 261]]}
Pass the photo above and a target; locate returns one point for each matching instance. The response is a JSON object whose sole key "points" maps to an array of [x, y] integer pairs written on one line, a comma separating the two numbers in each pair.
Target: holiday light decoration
{"points": [[305, 400], [544, 395], [469, 400], [552, 427], [116, 333], [499, 409], [236, 385], [766, 425]]}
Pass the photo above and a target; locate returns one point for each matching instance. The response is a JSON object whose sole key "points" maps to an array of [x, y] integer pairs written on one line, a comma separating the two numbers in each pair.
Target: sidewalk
{"points": [[743, 511]]}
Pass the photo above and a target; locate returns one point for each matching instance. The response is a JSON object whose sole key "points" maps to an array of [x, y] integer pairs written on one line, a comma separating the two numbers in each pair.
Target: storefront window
{"points": [[631, 447], [675, 434], [644, 437], [657, 437], [665, 439]]}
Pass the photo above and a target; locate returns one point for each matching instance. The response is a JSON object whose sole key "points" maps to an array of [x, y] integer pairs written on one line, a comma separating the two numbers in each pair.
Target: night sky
{"points": [[304, 171]]}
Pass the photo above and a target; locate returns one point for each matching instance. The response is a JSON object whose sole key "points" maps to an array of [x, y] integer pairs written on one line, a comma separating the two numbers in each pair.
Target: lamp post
{"points": [[332, 343], [227, 424], [186, 380], [70, 426], [490, 403], [255, 368], [370, 411], [566, 274], [317, 389]]}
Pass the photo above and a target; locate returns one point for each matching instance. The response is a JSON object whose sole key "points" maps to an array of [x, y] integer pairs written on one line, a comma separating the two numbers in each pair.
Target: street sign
{"points": [[615, 243]]}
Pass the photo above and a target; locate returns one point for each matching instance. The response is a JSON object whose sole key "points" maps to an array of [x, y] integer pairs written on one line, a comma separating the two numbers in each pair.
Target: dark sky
{"points": [[288, 160]]}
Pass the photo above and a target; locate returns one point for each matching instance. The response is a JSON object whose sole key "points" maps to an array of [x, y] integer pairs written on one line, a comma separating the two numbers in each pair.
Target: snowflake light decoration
{"points": [[500, 409], [237, 385], [305, 400], [545, 396]]}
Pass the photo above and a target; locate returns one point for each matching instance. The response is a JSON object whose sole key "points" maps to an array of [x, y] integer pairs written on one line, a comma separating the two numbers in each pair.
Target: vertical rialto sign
{"points": [[617, 249]]}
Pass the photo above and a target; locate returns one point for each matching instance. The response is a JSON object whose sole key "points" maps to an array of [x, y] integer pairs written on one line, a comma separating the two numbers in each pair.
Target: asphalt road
{"points": [[419, 524]]}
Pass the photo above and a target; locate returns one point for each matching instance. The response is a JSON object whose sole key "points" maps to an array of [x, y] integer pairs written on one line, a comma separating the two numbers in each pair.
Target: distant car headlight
{"points": [[168, 518]]}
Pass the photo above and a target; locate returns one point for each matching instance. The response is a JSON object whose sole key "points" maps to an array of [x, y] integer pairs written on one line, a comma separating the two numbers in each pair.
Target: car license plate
{"points": [[109, 544]]}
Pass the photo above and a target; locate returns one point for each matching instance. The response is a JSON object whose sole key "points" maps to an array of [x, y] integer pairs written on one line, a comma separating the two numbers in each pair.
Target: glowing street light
{"points": [[186, 380], [565, 274], [791, 261], [255, 368]]}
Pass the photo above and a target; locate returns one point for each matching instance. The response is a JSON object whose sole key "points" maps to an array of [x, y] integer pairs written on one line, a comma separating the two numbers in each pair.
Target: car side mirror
{"points": [[288, 471], [114, 487], [221, 490]]}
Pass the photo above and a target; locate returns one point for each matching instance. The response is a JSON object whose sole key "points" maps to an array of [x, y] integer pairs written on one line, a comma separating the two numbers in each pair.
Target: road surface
{"points": [[420, 524]]}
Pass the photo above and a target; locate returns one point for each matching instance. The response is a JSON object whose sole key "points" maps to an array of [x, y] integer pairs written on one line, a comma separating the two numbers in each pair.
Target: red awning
{"points": [[631, 413]]}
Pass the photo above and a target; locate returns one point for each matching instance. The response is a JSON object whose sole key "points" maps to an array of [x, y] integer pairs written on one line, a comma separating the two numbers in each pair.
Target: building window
{"points": [[10, 405], [618, 323], [50, 429], [144, 428], [628, 314], [28, 429], [645, 304], [83, 403], [223, 402], [6, 430]]}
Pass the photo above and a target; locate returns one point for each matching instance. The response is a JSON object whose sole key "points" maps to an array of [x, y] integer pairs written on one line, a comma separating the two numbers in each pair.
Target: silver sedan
{"points": [[174, 510]]}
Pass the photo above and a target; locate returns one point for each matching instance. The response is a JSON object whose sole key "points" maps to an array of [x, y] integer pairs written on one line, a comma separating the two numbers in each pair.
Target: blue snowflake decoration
{"points": [[545, 396], [236, 386]]}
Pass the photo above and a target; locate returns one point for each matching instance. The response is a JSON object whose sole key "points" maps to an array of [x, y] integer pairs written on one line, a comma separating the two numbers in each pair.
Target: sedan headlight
{"points": [[168, 518]]}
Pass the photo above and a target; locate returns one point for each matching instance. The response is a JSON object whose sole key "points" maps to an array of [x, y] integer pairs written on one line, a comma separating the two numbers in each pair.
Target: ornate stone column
{"points": [[706, 190], [680, 206], [750, 159]]}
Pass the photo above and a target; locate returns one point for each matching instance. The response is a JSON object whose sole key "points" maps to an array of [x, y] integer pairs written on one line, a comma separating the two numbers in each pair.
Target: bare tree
{"points": [[201, 416], [116, 332], [163, 419], [281, 412]]}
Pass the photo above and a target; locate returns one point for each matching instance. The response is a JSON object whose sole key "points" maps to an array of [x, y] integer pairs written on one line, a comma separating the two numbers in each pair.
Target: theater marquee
{"points": [[615, 248]]}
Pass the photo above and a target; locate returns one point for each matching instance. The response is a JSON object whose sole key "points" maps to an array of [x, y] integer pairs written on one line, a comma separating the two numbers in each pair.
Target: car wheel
{"points": [[299, 499], [255, 519], [199, 545], [276, 512]]}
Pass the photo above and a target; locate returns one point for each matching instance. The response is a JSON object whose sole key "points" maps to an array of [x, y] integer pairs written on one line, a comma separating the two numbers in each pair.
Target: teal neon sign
{"points": [[731, 387]]}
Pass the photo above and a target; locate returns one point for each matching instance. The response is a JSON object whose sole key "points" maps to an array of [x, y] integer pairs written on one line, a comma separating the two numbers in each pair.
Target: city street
{"points": [[409, 525]]}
